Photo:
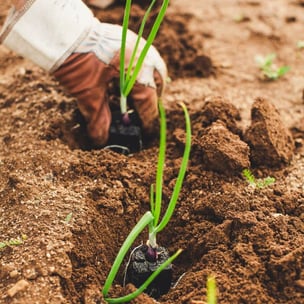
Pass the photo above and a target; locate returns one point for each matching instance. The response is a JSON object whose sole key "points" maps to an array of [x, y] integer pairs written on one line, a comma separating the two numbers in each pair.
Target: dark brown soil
{"points": [[250, 238]]}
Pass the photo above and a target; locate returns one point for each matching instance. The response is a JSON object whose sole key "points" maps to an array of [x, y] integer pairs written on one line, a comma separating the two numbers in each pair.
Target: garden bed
{"points": [[70, 207]]}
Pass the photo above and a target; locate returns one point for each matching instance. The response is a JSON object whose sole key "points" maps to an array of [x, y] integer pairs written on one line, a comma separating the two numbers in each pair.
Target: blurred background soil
{"points": [[71, 207]]}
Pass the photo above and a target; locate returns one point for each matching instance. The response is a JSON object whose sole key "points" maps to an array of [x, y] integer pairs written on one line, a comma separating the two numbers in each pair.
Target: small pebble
{"points": [[19, 286]]}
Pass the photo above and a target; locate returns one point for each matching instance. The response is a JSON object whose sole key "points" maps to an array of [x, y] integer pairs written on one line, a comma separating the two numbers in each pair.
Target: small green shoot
{"points": [[129, 75], [13, 242], [68, 218], [268, 68], [257, 183], [211, 290], [151, 218]]}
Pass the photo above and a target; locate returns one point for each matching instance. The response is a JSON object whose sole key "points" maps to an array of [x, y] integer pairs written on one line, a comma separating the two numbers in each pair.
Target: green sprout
{"points": [[128, 76], [211, 290], [268, 68], [257, 183], [152, 218], [13, 242], [68, 218]]}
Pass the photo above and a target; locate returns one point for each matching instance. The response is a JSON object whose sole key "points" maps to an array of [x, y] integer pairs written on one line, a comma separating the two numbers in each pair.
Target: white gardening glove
{"points": [[64, 38]]}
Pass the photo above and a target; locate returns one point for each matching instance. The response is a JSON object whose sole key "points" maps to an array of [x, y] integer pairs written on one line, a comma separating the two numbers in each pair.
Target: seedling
{"points": [[127, 125], [211, 290], [152, 254], [268, 68], [13, 242], [128, 76], [257, 183], [68, 218]]}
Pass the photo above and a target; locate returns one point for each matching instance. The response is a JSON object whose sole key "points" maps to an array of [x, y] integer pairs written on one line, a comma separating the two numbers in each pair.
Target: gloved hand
{"points": [[64, 38], [88, 72]]}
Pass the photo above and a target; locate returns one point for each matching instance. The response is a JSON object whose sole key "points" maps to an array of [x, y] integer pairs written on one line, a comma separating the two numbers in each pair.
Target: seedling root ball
{"points": [[143, 264]]}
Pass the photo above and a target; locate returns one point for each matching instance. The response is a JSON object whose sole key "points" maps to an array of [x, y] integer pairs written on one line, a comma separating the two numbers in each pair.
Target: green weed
{"points": [[269, 69], [257, 183]]}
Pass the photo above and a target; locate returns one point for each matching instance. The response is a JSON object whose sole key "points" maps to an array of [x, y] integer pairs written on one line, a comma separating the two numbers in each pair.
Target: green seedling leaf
{"points": [[180, 178], [128, 79], [160, 164], [249, 176], [266, 64], [283, 70], [68, 218], [11, 242], [257, 183], [267, 61], [211, 290], [15, 242], [263, 183]]}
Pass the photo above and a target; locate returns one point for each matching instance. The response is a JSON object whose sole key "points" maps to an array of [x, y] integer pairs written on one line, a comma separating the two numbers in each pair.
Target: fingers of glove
{"points": [[86, 78], [99, 125]]}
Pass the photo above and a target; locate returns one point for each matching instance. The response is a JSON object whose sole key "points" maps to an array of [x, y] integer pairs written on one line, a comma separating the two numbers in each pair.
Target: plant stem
{"points": [[152, 236], [138, 228], [122, 79], [211, 290], [123, 104]]}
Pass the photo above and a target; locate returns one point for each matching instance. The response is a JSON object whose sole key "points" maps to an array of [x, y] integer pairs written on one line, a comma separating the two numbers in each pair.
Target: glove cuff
{"points": [[47, 32]]}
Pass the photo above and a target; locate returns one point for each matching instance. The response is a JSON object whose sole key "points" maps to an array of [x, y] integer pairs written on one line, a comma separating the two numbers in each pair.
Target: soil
{"points": [[71, 207]]}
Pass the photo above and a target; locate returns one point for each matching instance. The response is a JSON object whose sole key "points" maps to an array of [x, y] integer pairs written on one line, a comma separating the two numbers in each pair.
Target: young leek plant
{"points": [[128, 76], [151, 218]]}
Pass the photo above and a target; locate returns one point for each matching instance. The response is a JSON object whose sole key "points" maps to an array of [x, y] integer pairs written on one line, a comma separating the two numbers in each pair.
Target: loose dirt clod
{"points": [[223, 151], [219, 108], [271, 143]]}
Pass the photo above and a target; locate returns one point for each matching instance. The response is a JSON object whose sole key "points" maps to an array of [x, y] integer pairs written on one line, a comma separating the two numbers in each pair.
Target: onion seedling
{"points": [[128, 76], [125, 129], [268, 68], [151, 254]]}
